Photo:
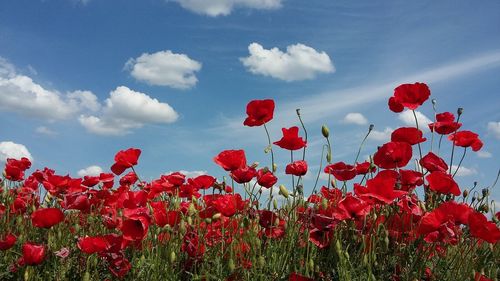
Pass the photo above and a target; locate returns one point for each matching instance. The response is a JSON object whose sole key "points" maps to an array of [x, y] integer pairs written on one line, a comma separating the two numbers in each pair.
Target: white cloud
{"points": [[10, 149], [215, 8], [355, 118], [494, 129], [126, 109], [409, 120], [90, 171], [189, 174], [484, 154], [20, 94], [165, 68], [463, 171], [382, 136], [85, 99], [299, 62], [45, 131]]}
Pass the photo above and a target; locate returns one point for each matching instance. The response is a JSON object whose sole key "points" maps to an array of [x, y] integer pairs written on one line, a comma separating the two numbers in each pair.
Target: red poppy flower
{"points": [[33, 254], [431, 162], [352, 208], [203, 181], [412, 96], [291, 139], [118, 264], [443, 183], [192, 245], [410, 135], [7, 242], [445, 124], [243, 175], [76, 201], [265, 178], [296, 168], [440, 224], [47, 217], [14, 169], [395, 106], [128, 179], [466, 139], [274, 226], [341, 171], [125, 159], [410, 179], [228, 204], [231, 160], [383, 188], [90, 245], [480, 277], [259, 112], [297, 277], [483, 229], [392, 155], [364, 168], [135, 226]]}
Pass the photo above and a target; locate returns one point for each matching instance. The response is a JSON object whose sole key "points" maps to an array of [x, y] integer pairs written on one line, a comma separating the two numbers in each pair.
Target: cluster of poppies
{"points": [[49, 219]]}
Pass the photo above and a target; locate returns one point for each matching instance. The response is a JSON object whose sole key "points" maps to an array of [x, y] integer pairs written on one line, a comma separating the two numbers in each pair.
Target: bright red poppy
{"points": [[296, 168], [431, 162], [443, 183], [297, 277], [412, 96], [266, 178], [341, 171], [243, 175], [410, 135], [393, 155], [7, 241], [395, 106], [33, 254], [125, 159], [231, 160], [291, 139], [14, 169], [92, 244], [445, 124], [466, 139], [47, 217], [483, 229], [259, 112]]}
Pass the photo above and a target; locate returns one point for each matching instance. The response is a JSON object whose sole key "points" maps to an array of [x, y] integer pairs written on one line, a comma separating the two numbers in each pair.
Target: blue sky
{"points": [[195, 64]]}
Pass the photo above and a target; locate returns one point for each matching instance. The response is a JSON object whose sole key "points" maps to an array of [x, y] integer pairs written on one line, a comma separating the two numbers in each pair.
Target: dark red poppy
{"points": [[192, 245], [395, 106], [352, 208], [259, 112], [7, 241], [243, 175], [228, 204], [128, 179], [383, 188], [364, 168], [483, 229], [410, 179], [321, 238], [393, 155], [90, 181], [33, 254], [297, 277], [274, 226], [76, 201], [412, 96], [341, 171], [443, 183], [125, 159], [296, 168], [445, 124], [410, 135], [466, 139], [265, 178], [47, 217], [480, 277], [118, 264], [441, 224], [107, 180], [14, 169], [231, 160], [431, 162], [92, 244], [291, 139], [203, 181], [136, 224]]}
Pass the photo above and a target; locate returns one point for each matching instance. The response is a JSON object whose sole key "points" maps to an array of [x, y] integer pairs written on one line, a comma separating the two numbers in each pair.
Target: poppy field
{"points": [[400, 215]]}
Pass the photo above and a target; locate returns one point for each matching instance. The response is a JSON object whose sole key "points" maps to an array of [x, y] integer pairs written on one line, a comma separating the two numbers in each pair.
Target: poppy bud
{"points": [[27, 274], [460, 111], [267, 149], [191, 209], [182, 227], [216, 216], [365, 260], [311, 264], [173, 257], [325, 131], [324, 203], [275, 167], [371, 127], [275, 204], [484, 208], [434, 101], [261, 261], [190, 221], [338, 247], [485, 192], [86, 276], [284, 191], [231, 265], [255, 165], [465, 193], [208, 220], [386, 243]]}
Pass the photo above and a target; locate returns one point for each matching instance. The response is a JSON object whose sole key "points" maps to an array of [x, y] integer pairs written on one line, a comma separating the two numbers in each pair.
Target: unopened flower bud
{"points": [[465, 193], [371, 127], [325, 131], [460, 110], [338, 247], [434, 101], [284, 191], [275, 204], [173, 257], [324, 204], [86, 276], [485, 192], [208, 220], [275, 167], [190, 221], [191, 209], [311, 264], [261, 261], [230, 265], [255, 165], [216, 216]]}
